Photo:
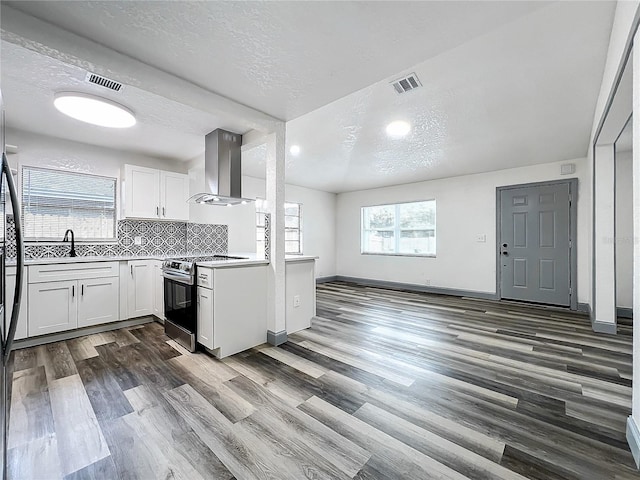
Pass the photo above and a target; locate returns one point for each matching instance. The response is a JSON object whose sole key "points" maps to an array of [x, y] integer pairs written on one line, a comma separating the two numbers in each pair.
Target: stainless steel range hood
{"points": [[222, 170]]}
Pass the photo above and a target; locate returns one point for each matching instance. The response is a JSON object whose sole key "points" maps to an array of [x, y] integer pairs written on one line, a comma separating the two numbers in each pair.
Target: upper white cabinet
{"points": [[174, 193], [155, 194], [141, 192]]}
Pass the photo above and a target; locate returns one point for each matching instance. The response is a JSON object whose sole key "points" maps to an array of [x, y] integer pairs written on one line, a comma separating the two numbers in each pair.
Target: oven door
{"points": [[180, 311]]}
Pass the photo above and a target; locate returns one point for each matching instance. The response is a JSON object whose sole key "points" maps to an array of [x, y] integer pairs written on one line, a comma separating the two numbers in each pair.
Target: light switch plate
{"points": [[137, 240], [296, 301], [481, 238]]}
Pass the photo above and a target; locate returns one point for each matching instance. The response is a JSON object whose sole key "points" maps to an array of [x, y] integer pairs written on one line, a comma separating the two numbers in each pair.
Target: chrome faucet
{"points": [[72, 253]]}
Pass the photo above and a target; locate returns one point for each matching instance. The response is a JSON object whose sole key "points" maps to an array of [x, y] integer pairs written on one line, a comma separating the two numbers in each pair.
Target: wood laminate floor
{"points": [[385, 385]]}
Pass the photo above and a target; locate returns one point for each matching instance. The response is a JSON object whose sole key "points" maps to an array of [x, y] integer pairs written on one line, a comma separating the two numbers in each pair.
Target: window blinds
{"points": [[55, 200]]}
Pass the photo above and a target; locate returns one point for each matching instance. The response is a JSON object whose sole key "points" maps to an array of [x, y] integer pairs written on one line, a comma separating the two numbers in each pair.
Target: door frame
{"points": [[573, 234]]}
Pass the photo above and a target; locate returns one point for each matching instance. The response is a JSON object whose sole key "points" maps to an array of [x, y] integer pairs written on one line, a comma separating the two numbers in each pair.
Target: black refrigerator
{"points": [[8, 205]]}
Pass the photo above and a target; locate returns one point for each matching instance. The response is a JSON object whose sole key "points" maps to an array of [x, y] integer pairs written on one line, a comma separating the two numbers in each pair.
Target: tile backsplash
{"points": [[157, 239]]}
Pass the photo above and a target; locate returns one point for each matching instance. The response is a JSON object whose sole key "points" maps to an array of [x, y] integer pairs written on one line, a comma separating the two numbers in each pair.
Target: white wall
{"points": [[50, 152], [624, 229], [241, 219], [466, 207], [318, 218], [55, 153]]}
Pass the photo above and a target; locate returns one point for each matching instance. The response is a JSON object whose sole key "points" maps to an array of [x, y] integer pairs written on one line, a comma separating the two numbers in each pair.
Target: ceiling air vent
{"points": [[103, 82], [406, 84]]}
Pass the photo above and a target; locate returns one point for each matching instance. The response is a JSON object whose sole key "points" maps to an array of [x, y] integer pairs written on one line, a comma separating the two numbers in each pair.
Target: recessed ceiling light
{"points": [[398, 129], [95, 110], [295, 149]]}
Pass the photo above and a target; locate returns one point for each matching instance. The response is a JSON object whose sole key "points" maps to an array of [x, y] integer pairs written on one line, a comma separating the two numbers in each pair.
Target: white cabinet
{"points": [[174, 193], [155, 194], [158, 290], [141, 192], [10, 285], [98, 301], [52, 307], [141, 286], [205, 317], [232, 316], [67, 296]]}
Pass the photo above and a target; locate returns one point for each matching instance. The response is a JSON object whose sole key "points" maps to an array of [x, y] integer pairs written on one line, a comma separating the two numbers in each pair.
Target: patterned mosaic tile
{"points": [[157, 239], [267, 236]]}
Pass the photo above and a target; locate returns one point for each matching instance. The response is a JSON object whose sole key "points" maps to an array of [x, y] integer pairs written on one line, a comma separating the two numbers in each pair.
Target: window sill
{"points": [[420, 255]]}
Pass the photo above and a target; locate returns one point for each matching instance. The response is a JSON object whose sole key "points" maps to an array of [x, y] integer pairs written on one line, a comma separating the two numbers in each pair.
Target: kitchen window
{"points": [[292, 226], [56, 200], [399, 229]]}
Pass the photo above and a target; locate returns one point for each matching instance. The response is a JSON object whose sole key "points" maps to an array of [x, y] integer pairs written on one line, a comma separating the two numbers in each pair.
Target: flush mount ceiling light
{"points": [[295, 150], [95, 110], [398, 129]]}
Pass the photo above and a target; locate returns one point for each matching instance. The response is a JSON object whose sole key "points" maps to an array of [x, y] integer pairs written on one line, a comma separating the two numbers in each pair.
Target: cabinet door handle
{"points": [[132, 270], [73, 291], [82, 289], [158, 211], [163, 212]]}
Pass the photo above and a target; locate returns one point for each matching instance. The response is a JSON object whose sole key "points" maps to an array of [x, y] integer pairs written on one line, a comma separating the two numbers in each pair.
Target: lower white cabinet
{"points": [[158, 290], [52, 307], [68, 296], [141, 287], [98, 301], [232, 316], [10, 285], [205, 317]]}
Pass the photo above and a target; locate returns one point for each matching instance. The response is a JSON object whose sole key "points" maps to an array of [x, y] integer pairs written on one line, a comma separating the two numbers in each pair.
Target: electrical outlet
{"points": [[296, 301], [427, 282], [481, 238], [137, 240]]}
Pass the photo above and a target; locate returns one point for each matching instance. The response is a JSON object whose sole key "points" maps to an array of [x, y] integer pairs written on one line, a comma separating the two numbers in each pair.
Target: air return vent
{"points": [[406, 84], [103, 82]]}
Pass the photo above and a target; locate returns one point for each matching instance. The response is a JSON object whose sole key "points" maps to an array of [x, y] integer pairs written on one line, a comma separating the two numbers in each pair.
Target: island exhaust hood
{"points": [[222, 170]]}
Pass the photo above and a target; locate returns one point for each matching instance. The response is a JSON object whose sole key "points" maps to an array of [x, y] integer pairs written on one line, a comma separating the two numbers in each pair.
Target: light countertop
{"points": [[87, 259], [249, 259]]}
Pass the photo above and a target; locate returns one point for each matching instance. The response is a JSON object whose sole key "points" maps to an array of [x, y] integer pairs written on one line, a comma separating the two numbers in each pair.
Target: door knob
{"points": [[505, 253], [505, 245]]}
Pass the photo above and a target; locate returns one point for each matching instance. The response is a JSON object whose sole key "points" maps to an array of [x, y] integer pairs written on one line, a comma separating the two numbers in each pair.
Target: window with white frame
{"points": [[399, 229], [56, 200], [292, 227]]}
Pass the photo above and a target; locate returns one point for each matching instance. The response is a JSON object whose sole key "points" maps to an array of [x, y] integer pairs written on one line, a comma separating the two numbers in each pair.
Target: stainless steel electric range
{"points": [[180, 293]]}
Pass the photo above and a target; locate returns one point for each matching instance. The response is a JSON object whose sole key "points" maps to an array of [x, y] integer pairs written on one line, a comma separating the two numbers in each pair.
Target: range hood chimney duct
{"points": [[222, 170]]}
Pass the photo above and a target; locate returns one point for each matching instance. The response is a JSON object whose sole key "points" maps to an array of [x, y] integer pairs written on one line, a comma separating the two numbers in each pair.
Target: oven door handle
{"points": [[186, 279]]}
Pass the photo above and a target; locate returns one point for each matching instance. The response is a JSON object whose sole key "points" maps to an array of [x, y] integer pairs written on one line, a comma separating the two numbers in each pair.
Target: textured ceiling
{"points": [[505, 84], [282, 58], [164, 129], [523, 94]]}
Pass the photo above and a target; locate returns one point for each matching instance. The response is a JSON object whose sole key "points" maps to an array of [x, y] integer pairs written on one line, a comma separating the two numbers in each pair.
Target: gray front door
{"points": [[535, 244]]}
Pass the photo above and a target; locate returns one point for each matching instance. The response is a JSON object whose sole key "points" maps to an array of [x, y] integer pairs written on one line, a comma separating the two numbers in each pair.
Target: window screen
{"points": [[54, 201]]}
